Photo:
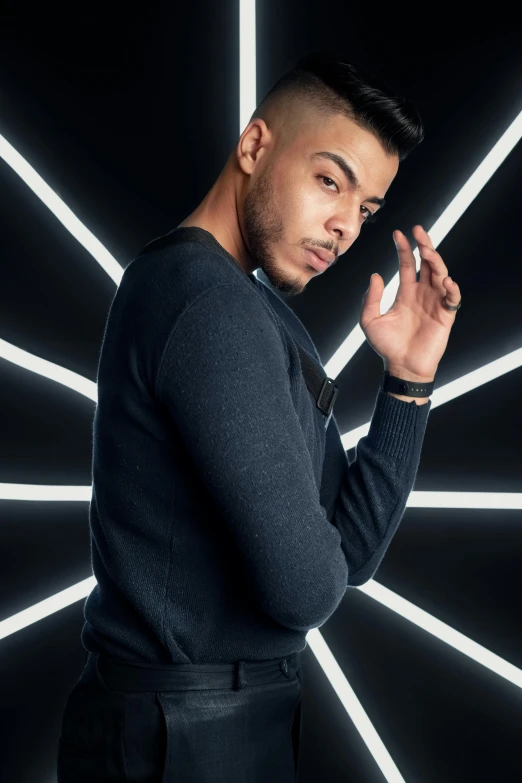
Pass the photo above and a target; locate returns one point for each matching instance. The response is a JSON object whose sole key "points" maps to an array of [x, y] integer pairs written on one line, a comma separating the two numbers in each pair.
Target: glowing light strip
{"points": [[442, 631], [45, 492], [46, 607], [58, 207], [416, 499], [353, 706], [472, 380], [247, 65], [496, 500], [247, 62], [437, 232], [54, 372]]}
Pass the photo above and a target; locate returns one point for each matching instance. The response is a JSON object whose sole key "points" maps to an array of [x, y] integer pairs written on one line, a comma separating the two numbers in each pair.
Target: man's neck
{"points": [[224, 228]]}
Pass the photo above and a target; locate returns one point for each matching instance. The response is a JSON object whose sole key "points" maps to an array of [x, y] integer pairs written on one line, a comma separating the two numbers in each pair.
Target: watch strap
{"points": [[408, 388]]}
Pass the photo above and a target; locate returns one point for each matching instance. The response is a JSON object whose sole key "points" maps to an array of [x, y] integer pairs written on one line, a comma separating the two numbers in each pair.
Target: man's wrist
{"points": [[406, 375]]}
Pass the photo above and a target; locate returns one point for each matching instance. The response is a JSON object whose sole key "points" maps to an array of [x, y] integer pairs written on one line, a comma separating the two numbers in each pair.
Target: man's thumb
{"points": [[375, 274]]}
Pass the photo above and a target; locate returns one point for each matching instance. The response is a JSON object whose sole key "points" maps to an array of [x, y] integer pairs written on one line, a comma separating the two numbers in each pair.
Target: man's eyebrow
{"points": [[348, 172]]}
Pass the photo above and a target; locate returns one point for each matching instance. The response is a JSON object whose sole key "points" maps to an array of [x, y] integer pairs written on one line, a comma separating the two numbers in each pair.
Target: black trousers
{"points": [[185, 723]]}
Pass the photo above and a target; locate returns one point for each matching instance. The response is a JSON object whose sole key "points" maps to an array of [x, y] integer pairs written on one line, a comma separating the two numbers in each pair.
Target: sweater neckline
{"points": [[204, 237]]}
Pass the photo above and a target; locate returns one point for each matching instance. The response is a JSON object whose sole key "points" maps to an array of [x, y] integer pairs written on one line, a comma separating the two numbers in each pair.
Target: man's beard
{"points": [[264, 228]]}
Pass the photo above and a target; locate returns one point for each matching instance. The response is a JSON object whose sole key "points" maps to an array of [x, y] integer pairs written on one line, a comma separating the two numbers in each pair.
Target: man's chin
{"points": [[286, 284]]}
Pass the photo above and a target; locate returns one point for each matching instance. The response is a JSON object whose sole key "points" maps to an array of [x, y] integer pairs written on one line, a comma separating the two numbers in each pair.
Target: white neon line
{"points": [[496, 500], [46, 607], [54, 372], [437, 232], [353, 706], [416, 499], [247, 62], [58, 207], [247, 65], [45, 492], [442, 631], [453, 389]]}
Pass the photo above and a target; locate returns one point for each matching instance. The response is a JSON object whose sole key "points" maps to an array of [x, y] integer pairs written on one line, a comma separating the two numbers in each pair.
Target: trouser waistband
{"points": [[115, 674]]}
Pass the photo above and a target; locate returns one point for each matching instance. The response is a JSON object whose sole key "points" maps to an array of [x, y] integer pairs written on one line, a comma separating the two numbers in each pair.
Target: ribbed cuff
{"points": [[392, 427]]}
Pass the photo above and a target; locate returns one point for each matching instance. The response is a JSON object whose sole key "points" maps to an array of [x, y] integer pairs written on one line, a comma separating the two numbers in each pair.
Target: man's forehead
{"points": [[344, 136]]}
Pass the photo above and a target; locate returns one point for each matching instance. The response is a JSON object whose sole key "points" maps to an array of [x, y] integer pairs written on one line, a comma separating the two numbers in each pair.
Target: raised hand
{"points": [[412, 336]]}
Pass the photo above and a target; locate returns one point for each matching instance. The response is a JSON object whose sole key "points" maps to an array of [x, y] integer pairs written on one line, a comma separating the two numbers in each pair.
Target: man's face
{"points": [[301, 199]]}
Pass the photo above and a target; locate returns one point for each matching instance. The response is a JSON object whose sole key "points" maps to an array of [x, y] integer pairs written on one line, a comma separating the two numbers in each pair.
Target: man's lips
{"points": [[324, 255], [316, 262]]}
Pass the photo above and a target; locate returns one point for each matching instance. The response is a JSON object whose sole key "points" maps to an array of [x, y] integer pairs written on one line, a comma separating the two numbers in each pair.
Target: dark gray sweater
{"points": [[225, 521]]}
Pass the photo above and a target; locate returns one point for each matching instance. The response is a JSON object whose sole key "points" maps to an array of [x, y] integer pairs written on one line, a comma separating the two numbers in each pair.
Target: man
{"points": [[226, 520]]}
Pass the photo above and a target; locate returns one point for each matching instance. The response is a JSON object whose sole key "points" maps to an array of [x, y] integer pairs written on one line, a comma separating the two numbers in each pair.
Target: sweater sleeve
{"points": [[366, 499], [223, 377]]}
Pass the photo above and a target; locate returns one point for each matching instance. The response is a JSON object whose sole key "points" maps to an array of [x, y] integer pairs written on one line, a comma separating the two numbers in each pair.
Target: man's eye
{"points": [[329, 180], [370, 216]]}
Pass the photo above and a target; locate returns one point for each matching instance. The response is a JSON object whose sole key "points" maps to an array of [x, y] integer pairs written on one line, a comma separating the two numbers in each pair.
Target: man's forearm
{"points": [[366, 498]]}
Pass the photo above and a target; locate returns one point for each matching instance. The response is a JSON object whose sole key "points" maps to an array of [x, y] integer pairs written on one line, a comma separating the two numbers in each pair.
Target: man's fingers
{"points": [[453, 295], [438, 267], [407, 269], [428, 252]]}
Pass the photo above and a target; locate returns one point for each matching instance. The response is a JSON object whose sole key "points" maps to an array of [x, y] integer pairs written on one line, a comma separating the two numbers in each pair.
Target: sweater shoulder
{"points": [[160, 288], [179, 273]]}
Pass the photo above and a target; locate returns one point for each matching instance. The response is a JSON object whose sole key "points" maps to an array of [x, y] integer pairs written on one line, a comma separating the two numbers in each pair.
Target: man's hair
{"points": [[323, 83]]}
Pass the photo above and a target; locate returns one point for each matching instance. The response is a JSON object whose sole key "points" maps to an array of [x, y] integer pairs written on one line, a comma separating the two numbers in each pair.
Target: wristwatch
{"points": [[396, 385]]}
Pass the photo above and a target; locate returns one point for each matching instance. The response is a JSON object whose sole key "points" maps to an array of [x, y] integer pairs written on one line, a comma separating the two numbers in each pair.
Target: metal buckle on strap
{"points": [[326, 398]]}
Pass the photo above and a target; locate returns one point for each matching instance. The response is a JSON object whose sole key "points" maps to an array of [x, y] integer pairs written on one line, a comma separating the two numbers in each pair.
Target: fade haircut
{"points": [[322, 85]]}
